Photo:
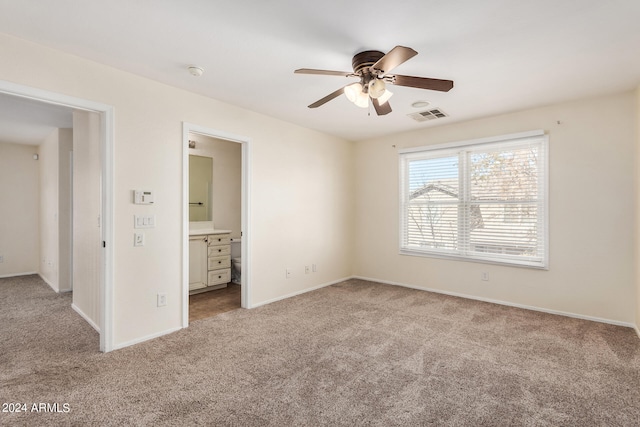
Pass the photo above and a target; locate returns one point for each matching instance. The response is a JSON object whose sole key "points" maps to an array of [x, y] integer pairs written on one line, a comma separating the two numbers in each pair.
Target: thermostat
{"points": [[142, 197]]}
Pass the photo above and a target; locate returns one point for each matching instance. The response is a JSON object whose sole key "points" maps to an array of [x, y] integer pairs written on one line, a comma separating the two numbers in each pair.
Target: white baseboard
{"points": [[507, 303], [28, 273], [637, 331], [85, 317], [304, 291], [145, 338]]}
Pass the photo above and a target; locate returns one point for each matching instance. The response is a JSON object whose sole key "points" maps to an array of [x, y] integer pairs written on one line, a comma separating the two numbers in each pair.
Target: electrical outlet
{"points": [[138, 239], [287, 273], [307, 270], [485, 276], [162, 300]]}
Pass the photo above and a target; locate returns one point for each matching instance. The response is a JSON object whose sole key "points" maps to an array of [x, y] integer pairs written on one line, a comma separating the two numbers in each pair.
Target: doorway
{"points": [[238, 228], [101, 124]]}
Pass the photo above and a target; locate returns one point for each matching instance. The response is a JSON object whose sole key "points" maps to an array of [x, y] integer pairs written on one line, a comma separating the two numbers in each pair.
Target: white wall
{"points": [[19, 193], [55, 214], [592, 161], [48, 161], [301, 204], [227, 180]]}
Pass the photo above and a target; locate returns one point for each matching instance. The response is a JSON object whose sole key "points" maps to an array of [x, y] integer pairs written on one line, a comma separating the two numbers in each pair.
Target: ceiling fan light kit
{"points": [[376, 88], [351, 91], [356, 94], [372, 68], [385, 97]]}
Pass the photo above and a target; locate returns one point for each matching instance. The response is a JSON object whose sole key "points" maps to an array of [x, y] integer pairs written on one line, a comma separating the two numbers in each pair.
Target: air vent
{"points": [[432, 114]]}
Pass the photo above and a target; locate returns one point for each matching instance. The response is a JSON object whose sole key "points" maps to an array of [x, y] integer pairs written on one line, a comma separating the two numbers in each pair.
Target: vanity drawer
{"points": [[219, 250], [219, 239], [216, 262], [219, 276]]}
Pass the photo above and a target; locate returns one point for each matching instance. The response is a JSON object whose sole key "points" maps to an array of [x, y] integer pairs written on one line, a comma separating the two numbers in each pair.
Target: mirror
{"points": [[200, 188]]}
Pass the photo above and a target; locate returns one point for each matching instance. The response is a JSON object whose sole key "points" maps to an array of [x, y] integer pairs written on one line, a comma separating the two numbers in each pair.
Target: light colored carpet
{"points": [[355, 353]]}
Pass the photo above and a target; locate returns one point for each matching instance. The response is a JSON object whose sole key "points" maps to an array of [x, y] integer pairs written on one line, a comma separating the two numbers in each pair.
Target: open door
{"points": [[87, 220]]}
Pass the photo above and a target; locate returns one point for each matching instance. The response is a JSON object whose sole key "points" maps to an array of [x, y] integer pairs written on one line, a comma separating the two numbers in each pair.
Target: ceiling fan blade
{"points": [[381, 109], [422, 83], [323, 72], [327, 98], [393, 58]]}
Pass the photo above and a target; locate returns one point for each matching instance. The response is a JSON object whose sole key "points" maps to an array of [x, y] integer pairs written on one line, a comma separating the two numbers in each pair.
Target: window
{"points": [[483, 200]]}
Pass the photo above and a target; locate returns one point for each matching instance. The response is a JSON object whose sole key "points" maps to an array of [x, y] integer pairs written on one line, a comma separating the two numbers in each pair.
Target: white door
{"points": [[87, 208]]}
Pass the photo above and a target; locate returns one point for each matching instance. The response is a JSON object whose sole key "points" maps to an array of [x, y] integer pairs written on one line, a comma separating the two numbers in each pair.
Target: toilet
{"points": [[236, 260]]}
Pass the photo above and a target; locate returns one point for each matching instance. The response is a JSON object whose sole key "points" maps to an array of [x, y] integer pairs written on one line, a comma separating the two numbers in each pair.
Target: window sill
{"points": [[519, 263]]}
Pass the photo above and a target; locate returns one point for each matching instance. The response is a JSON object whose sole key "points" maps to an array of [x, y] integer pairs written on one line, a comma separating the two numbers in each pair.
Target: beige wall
{"points": [[592, 161], [227, 180], [301, 204], [19, 193]]}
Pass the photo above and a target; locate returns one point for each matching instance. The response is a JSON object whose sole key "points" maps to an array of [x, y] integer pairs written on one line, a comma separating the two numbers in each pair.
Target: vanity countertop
{"points": [[206, 231]]}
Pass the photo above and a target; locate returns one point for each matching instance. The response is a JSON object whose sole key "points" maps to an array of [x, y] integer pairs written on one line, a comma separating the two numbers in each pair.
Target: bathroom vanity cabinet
{"points": [[209, 261]]}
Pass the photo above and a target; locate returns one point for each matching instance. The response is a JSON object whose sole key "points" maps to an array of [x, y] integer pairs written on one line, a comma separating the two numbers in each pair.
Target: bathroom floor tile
{"points": [[209, 304]]}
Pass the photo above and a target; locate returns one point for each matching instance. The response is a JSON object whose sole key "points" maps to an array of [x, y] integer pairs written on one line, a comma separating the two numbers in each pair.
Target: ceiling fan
{"points": [[372, 68]]}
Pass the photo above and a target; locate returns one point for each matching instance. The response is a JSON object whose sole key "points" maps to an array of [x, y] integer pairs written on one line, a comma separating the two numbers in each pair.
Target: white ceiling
{"points": [[25, 121], [503, 55]]}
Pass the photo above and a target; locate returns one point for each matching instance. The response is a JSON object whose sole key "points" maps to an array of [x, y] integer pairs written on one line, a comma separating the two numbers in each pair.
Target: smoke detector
{"points": [[420, 104], [195, 70]]}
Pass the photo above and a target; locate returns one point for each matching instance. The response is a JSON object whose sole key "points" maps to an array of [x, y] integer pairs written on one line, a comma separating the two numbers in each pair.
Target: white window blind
{"points": [[482, 200]]}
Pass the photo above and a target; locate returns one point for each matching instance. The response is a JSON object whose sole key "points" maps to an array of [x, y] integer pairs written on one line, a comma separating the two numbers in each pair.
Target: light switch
{"points": [[144, 221], [138, 239]]}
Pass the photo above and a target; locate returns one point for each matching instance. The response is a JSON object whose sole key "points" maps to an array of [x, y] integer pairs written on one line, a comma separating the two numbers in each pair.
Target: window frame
{"points": [[405, 154]]}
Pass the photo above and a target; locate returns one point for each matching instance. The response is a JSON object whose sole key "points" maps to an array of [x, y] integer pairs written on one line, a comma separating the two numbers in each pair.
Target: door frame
{"points": [[245, 223], [106, 113]]}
